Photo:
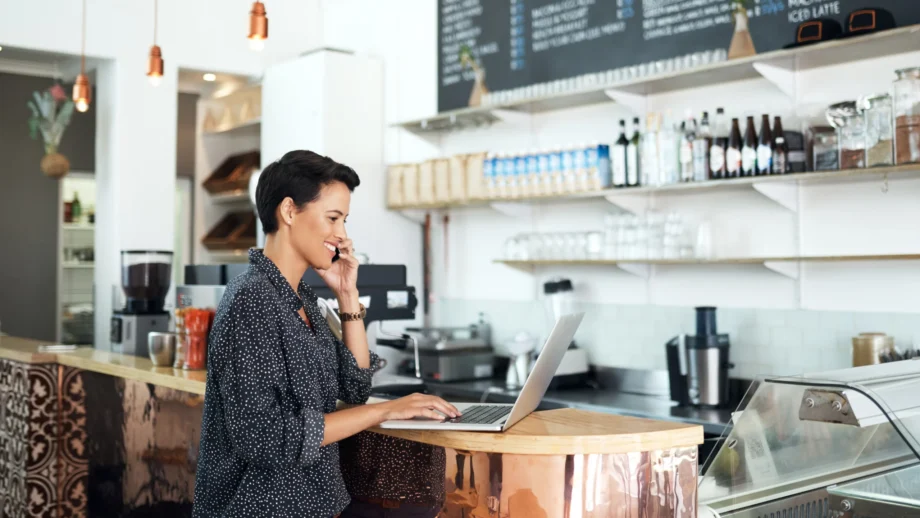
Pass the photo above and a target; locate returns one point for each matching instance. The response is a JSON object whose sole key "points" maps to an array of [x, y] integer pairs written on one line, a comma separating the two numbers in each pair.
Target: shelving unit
{"points": [[782, 265], [228, 125], [75, 298], [779, 188], [779, 67]]}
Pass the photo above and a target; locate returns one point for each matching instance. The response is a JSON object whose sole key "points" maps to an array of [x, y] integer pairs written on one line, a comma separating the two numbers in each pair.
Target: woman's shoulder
{"points": [[249, 291]]}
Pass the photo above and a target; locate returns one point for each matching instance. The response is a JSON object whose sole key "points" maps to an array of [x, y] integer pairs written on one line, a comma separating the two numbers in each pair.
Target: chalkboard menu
{"points": [[523, 42]]}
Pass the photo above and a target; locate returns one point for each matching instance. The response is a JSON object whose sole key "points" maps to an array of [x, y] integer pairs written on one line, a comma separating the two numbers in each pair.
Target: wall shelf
{"points": [[778, 67], [237, 196], [783, 189], [78, 226], [250, 126], [784, 265], [75, 265]]}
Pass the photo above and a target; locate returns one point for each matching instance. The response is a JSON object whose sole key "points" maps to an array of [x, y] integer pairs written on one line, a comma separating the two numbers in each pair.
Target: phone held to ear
{"points": [[336, 256]]}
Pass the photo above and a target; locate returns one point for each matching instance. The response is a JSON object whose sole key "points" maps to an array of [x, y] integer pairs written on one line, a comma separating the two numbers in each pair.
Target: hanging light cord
{"points": [[83, 43], [155, 10]]}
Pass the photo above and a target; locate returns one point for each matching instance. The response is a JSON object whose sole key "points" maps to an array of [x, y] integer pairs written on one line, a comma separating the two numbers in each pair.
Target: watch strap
{"points": [[358, 315]]}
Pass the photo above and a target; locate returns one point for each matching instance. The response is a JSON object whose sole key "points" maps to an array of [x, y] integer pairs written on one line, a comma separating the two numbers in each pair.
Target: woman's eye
{"points": [[333, 219]]}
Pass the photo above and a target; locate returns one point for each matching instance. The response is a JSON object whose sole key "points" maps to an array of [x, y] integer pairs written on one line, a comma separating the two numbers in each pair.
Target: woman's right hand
{"points": [[418, 405]]}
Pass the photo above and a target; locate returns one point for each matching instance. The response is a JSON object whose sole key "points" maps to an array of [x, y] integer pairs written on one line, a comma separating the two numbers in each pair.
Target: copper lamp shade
{"points": [[155, 65], [258, 26], [81, 93]]}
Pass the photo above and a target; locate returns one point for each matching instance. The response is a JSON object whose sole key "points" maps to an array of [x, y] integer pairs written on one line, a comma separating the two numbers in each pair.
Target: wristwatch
{"points": [[359, 315]]}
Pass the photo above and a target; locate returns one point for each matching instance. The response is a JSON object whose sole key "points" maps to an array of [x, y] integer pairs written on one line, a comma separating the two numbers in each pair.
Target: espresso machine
{"points": [[698, 364], [145, 279], [559, 300]]}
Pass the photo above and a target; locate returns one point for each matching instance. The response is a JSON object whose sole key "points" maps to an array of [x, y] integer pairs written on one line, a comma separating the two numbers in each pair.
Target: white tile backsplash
{"points": [[764, 341]]}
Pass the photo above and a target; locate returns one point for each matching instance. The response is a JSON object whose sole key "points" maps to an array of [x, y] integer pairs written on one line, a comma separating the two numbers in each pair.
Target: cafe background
{"points": [[784, 317]]}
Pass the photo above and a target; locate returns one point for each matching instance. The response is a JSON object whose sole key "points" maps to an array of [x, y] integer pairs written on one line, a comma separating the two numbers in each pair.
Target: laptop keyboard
{"points": [[482, 414]]}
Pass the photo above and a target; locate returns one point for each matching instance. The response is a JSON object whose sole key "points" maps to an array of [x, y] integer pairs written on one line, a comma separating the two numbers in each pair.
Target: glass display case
{"points": [[835, 444]]}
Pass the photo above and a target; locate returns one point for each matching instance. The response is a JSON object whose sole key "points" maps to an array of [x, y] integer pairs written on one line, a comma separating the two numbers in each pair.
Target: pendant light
{"points": [[81, 90], [155, 62], [258, 26]]}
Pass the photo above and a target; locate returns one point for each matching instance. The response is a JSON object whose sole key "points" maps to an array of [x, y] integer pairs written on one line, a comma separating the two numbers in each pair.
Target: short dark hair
{"points": [[299, 175]]}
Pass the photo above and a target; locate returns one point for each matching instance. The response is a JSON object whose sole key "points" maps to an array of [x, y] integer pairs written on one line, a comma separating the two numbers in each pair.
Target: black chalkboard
{"points": [[523, 42]]}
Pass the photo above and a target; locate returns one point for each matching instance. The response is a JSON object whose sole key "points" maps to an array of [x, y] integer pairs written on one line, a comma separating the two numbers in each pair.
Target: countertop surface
{"points": [[599, 400], [557, 431]]}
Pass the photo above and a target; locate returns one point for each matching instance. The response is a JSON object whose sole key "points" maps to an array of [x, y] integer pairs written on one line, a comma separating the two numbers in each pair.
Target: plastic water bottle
{"points": [[488, 174]]}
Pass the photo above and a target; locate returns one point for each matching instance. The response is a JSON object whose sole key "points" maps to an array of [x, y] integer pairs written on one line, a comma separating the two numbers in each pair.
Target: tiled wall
{"points": [[764, 341]]}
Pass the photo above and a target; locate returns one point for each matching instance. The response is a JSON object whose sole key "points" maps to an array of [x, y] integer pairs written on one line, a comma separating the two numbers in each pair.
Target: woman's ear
{"points": [[286, 211]]}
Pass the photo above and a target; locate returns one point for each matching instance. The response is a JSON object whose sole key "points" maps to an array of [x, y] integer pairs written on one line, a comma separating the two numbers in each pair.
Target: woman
{"points": [[270, 425]]}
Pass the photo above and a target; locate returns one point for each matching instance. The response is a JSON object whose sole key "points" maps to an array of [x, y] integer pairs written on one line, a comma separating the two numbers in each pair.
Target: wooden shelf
{"points": [[778, 66], [226, 198], [618, 196]]}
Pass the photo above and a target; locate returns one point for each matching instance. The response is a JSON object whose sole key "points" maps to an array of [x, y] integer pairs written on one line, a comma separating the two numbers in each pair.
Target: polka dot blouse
{"points": [[271, 380]]}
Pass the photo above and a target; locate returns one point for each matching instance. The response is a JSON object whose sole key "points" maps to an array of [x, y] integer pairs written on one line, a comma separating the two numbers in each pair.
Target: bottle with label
{"points": [[668, 152], [733, 152], [488, 173], [520, 172], [581, 167], [632, 156], [649, 163], [749, 150], [509, 171], [719, 145], [687, 136], [568, 168], [546, 175], [701, 145], [556, 171], [618, 157], [780, 148], [765, 148], [533, 176]]}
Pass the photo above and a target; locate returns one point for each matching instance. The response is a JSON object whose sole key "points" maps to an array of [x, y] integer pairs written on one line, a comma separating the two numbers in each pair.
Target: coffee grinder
{"points": [[145, 281], [698, 364]]}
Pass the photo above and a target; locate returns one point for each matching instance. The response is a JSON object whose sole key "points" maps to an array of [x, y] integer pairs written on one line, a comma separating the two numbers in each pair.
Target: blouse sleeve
{"points": [[263, 432], [354, 382]]}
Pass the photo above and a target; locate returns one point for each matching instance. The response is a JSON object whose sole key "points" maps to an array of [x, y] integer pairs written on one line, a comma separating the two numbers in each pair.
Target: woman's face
{"points": [[319, 227]]}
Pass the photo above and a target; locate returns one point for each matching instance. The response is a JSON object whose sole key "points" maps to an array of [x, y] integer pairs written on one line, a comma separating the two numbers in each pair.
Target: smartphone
{"points": [[336, 256]]}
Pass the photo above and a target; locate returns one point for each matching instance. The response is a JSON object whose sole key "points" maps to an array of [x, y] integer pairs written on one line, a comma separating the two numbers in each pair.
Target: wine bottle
{"points": [[765, 148], [733, 152], [701, 145], [749, 150], [719, 145], [780, 148], [632, 156], [618, 158]]}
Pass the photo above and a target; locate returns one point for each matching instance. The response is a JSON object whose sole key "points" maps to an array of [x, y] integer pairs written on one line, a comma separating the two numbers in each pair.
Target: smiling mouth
{"points": [[331, 249]]}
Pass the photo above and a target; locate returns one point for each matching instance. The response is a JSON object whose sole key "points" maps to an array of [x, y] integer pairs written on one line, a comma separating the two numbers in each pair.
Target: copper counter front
{"points": [[85, 444]]}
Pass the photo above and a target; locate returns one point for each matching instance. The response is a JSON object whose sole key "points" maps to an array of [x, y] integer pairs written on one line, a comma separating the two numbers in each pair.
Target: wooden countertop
{"points": [[119, 365], [551, 432], [565, 431]]}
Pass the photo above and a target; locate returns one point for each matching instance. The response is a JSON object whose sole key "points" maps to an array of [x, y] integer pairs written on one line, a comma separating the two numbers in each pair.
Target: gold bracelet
{"points": [[348, 317]]}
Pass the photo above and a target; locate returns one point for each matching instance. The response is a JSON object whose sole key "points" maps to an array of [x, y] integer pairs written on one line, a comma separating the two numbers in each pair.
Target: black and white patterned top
{"points": [[271, 379]]}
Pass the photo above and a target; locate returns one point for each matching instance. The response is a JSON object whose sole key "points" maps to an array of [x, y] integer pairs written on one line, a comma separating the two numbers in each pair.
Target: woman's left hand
{"points": [[342, 276]]}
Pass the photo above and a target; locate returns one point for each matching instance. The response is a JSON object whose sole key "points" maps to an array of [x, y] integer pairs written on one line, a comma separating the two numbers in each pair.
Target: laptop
{"points": [[498, 417]]}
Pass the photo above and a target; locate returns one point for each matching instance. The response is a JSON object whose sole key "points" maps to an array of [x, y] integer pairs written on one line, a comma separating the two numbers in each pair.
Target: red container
{"points": [[197, 326]]}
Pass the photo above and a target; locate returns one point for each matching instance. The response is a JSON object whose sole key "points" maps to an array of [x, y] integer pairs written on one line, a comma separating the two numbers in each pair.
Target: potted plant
{"points": [[51, 113], [742, 45], [479, 84]]}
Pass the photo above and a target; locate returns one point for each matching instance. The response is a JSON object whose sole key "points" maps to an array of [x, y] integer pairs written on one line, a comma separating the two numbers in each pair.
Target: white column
{"points": [[135, 173]]}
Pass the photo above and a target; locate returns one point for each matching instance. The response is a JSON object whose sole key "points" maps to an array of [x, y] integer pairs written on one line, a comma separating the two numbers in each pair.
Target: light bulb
{"points": [[209, 77], [256, 44], [81, 105], [155, 79]]}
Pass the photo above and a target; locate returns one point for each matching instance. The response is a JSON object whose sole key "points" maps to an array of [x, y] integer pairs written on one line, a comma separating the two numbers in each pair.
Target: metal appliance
{"points": [[838, 444], [382, 286], [145, 281], [698, 364], [451, 353], [558, 301]]}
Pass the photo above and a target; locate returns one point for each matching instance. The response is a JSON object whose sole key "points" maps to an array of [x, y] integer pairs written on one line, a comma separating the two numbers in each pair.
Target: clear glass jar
{"points": [[907, 116], [879, 130], [825, 150], [851, 130]]}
